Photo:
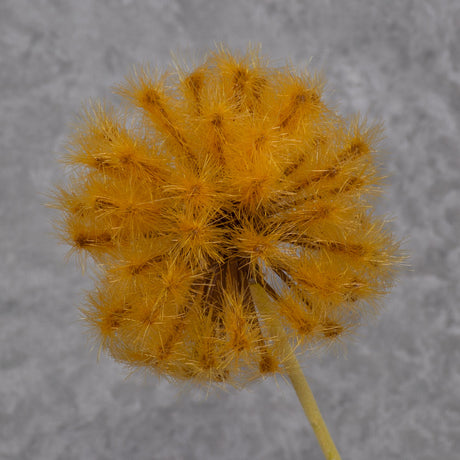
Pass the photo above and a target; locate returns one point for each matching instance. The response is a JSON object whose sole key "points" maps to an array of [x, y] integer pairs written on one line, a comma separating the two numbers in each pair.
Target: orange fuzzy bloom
{"points": [[208, 180]]}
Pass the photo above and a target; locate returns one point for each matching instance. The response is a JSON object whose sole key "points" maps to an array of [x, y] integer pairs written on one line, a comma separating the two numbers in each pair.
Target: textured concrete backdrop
{"points": [[396, 396]]}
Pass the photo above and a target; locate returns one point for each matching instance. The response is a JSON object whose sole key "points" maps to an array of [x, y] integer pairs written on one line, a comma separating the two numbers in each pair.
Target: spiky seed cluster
{"points": [[209, 179]]}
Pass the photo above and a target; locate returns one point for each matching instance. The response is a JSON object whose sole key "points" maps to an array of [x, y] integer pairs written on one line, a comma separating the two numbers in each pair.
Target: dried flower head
{"points": [[208, 180]]}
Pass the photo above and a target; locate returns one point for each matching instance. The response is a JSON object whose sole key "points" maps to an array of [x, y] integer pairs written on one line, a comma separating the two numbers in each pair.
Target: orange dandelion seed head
{"points": [[209, 180]]}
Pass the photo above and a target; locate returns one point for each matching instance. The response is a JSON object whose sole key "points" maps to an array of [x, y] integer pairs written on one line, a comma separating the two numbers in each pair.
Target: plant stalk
{"points": [[266, 307]]}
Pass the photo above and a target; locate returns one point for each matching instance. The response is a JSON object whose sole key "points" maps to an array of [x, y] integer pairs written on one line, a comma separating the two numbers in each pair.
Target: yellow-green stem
{"points": [[266, 307]]}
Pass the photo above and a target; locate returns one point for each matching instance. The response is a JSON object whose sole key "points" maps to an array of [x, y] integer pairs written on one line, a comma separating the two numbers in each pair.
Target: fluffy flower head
{"points": [[206, 181]]}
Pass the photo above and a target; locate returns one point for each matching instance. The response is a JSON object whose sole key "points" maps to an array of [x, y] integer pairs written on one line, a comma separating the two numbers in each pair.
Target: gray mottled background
{"points": [[395, 396]]}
